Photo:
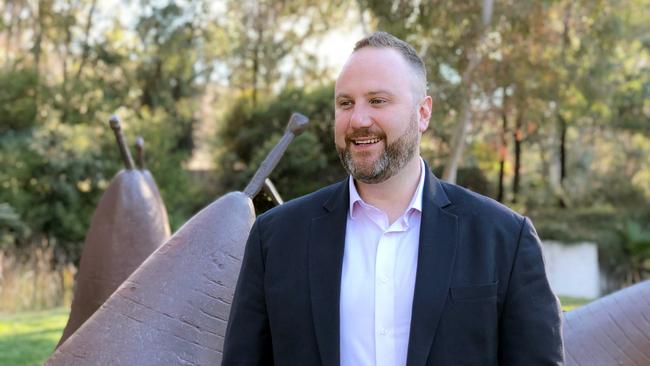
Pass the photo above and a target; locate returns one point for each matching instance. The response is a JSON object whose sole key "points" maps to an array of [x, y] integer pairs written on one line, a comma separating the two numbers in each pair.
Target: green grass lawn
{"points": [[28, 338], [570, 303]]}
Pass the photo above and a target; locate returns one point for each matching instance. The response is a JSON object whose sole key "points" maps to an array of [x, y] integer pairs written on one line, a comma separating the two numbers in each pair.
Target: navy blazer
{"points": [[481, 292]]}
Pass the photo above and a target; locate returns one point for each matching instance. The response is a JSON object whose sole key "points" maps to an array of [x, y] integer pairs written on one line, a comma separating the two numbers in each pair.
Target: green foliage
{"points": [[57, 163], [266, 35], [621, 239], [53, 178], [12, 228], [55, 174], [471, 178], [597, 224], [636, 248], [17, 99], [545, 67], [248, 134], [182, 195]]}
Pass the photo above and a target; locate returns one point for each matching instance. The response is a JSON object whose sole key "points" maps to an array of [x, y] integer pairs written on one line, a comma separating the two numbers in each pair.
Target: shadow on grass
{"points": [[28, 339]]}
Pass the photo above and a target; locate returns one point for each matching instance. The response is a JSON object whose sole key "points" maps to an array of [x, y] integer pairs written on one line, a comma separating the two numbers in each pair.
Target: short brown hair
{"points": [[387, 40]]}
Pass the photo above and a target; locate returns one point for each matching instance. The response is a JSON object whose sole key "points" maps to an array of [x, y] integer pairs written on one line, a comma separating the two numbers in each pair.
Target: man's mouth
{"points": [[366, 141]]}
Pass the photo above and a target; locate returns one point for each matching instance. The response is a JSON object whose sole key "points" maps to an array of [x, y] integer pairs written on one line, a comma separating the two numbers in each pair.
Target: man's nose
{"points": [[360, 118]]}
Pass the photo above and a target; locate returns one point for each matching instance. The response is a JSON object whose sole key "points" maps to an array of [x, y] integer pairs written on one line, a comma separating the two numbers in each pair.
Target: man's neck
{"points": [[393, 195]]}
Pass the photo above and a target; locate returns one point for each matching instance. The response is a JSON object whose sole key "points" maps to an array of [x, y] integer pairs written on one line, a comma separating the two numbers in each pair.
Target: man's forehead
{"points": [[373, 57], [379, 69]]}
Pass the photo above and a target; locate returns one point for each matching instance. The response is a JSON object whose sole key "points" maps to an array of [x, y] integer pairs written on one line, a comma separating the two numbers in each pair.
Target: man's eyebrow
{"points": [[376, 92], [368, 94]]}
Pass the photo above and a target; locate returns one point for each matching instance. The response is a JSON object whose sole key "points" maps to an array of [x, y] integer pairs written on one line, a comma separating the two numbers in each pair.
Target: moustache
{"points": [[364, 133]]}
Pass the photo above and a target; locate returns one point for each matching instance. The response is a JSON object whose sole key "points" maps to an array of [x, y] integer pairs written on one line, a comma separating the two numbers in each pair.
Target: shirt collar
{"points": [[416, 200]]}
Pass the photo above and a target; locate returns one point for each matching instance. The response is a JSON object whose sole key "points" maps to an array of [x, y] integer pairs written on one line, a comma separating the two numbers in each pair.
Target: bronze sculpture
{"points": [[174, 308], [130, 222], [613, 330], [139, 153]]}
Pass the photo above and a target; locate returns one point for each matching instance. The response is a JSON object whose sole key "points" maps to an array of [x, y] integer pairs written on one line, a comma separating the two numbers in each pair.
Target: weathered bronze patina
{"points": [[114, 122], [173, 310], [130, 222], [613, 330], [139, 152]]}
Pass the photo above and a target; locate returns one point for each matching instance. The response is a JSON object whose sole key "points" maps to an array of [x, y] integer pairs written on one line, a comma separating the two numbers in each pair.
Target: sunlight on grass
{"points": [[570, 303], [28, 338]]}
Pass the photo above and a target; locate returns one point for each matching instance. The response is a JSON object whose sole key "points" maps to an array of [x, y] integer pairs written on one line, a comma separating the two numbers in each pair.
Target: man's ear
{"points": [[424, 113]]}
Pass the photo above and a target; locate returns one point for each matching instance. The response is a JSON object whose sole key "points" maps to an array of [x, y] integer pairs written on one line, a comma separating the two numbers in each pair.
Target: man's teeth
{"points": [[366, 142]]}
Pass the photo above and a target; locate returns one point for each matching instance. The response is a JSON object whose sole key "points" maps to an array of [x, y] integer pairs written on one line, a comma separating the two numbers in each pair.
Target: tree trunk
{"points": [[458, 140], [65, 87], [85, 53], [257, 49], [517, 134], [561, 198], [362, 19], [458, 144], [563, 131], [503, 149], [502, 164], [37, 53], [9, 8]]}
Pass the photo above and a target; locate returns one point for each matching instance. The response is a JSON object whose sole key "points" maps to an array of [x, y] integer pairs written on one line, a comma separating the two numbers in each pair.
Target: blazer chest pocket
{"points": [[474, 292], [469, 325]]}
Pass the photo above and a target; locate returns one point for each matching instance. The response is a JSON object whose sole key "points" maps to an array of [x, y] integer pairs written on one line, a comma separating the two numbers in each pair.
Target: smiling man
{"points": [[391, 266]]}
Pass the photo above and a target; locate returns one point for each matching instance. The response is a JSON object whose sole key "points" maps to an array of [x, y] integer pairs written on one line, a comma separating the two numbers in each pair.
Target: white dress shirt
{"points": [[377, 281]]}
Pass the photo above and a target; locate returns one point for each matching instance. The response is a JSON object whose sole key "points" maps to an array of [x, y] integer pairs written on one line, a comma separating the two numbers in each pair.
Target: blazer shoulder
{"points": [[467, 203]]}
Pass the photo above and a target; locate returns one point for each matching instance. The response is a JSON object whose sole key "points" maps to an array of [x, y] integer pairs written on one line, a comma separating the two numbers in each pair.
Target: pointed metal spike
{"points": [[297, 124], [139, 152], [124, 150]]}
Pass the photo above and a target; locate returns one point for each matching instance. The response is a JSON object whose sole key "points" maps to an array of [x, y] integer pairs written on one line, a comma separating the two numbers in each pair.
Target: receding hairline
{"points": [[384, 40]]}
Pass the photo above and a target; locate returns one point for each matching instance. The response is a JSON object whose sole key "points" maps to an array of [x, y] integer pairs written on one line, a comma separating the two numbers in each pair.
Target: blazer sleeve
{"points": [[248, 336], [530, 328]]}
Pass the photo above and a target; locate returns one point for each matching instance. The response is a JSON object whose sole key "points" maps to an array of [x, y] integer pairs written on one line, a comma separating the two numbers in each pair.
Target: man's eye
{"points": [[377, 101], [345, 103]]}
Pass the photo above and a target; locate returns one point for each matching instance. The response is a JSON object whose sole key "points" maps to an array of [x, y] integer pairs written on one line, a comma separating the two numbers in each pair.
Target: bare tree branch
{"points": [[85, 54]]}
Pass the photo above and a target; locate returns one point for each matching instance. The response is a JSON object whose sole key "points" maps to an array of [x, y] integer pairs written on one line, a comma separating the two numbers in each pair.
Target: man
{"points": [[391, 266]]}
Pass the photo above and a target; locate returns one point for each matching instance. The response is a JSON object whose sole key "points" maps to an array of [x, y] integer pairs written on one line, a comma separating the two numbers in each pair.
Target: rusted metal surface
{"points": [[613, 330], [114, 122], [161, 204], [297, 124], [130, 222], [139, 152], [174, 308]]}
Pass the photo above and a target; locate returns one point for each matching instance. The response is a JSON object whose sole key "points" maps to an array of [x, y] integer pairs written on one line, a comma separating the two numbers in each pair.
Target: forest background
{"points": [[542, 105]]}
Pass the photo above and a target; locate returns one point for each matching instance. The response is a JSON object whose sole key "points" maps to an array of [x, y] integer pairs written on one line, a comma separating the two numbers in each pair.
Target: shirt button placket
{"points": [[384, 300]]}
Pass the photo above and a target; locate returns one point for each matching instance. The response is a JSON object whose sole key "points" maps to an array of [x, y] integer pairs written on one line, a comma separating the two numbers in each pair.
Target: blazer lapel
{"points": [[437, 249], [326, 243]]}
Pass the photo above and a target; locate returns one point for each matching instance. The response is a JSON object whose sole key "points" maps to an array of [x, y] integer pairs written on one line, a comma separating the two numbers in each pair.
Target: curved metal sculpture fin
{"points": [[613, 330]]}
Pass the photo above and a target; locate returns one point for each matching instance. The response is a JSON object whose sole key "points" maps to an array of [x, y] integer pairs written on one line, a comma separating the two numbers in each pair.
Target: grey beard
{"points": [[392, 160]]}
